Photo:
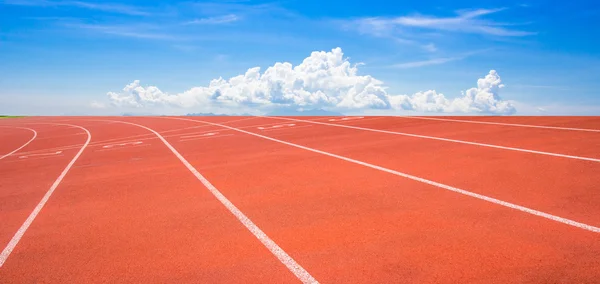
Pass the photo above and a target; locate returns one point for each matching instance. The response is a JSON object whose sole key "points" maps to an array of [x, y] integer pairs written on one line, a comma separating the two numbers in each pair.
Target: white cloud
{"points": [[214, 20], [97, 105], [105, 7], [434, 61], [324, 80], [465, 21]]}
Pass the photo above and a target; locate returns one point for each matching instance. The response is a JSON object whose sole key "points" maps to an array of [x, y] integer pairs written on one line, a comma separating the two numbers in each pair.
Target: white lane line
{"points": [[287, 260], [419, 179], [122, 148], [286, 128], [506, 124], [130, 138], [22, 146], [122, 144], [207, 137], [276, 126], [346, 118], [200, 135], [17, 237], [445, 139], [42, 154]]}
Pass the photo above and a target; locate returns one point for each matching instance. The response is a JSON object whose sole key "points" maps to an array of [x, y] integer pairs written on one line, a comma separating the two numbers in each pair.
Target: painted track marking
{"points": [[22, 146], [347, 118], [129, 138], [505, 124], [422, 180], [200, 135], [43, 154], [122, 144], [445, 139], [19, 234], [207, 137], [276, 126], [277, 251]]}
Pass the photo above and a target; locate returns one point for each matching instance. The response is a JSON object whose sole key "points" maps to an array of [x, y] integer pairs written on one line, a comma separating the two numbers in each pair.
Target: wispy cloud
{"points": [[411, 29], [212, 8], [105, 7], [214, 20], [434, 61], [437, 61], [466, 21], [129, 31]]}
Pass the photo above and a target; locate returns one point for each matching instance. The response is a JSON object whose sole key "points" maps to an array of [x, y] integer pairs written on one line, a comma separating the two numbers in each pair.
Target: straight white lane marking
{"points": [[276, 126], [122, 148], [287, 260], [200, 135], [17, 237], [286, 128], [444, 139], [419, 179], [347, 118], [207, 137], [22, 146], [122, 144], [42, 154], [506, 124]]}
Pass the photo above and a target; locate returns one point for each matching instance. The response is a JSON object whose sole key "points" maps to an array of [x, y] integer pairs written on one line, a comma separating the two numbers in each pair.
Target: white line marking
{"points": [[346, 118], [200, 135], [119, 148], [17, 237], [199, 138], [276, 126], [506, 124], [419, 179], [22, 146], [287, 260], [281, 129], [43, 154], [122, 144], [446, 140]]}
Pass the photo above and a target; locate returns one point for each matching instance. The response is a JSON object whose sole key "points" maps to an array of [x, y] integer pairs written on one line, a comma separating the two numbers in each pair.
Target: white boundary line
{"points": [[205, 137], [419, 179], [505, 124], [287, 260], [444, 139], [22, 146], [19, 234], [131, 138]]}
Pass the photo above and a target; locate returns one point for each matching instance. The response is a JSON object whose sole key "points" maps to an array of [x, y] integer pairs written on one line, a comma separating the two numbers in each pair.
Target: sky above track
{"points": [[256, 57]]}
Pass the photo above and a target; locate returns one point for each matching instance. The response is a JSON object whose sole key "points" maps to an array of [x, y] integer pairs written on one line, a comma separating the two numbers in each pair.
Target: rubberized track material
{"points": [[300, 199]]}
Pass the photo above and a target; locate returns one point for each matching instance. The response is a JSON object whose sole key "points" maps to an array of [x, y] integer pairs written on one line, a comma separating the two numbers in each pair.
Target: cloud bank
{"points": [[324, 80]]}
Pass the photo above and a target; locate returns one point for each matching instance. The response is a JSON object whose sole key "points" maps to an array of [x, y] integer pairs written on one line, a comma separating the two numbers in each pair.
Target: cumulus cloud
{"points": [[324, 80]]}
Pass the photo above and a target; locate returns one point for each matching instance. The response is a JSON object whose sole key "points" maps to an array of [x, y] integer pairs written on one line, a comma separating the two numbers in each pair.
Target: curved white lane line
{"points": [[444, 139], [19, 234], [505, 124], [423, 180], [22, 146], [287, 260]]}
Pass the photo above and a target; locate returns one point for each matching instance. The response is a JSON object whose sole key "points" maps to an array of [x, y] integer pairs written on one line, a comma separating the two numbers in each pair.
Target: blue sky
{"points": [[404, 57]]}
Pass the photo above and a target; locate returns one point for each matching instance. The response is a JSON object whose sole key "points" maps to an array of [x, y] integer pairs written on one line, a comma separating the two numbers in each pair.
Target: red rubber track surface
{"points": [[12, 138], [134, 213]]}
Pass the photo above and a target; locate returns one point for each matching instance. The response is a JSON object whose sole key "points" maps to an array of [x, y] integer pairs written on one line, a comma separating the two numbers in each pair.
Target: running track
{"points": [[300, 199]]}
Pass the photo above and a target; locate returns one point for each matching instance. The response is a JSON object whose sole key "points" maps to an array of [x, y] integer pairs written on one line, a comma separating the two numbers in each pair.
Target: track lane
{"points": [[14, 139], [134, 214], [557, 186], [577, 146], [24, 181], [346, 223], [561, 123]]}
